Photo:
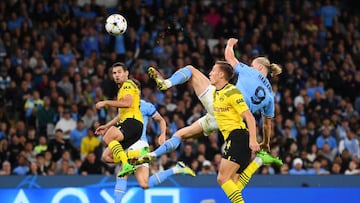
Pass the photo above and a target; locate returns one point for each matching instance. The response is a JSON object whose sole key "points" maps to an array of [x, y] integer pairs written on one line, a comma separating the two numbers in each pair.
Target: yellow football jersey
{"points": [[229, 104], [129, 87]]}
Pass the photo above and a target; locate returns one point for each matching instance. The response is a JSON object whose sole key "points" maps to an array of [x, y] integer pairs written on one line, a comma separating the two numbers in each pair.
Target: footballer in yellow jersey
{"points": [[228, 104], [230, 111], [133, 111], [125, 129]]}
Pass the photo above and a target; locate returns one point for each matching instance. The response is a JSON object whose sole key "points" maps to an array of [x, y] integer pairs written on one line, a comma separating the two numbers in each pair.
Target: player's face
{"points": [[214, 74], [119, 74]]}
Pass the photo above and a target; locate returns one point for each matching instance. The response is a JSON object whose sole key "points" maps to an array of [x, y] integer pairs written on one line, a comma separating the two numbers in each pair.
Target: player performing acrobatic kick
{"points": [[252, 83]]}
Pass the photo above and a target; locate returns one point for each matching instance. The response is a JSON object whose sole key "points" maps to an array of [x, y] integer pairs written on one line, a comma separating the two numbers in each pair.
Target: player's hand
{"points": [[265, 146], [101, 130], [254, 146], [100, 104], [232, 41]]}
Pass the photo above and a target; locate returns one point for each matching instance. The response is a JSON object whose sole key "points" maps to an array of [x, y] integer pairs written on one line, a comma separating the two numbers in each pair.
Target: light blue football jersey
{"points": [[256, 90], [148, 110]]}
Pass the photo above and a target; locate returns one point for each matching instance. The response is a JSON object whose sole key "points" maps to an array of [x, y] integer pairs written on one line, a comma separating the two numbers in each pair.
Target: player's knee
{"points": [[180, 136], [191, 67], [106, 158], [221, 179]]}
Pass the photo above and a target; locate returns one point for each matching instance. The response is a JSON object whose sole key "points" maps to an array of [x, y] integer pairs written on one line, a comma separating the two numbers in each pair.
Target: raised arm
{"points": [[229, 52]]}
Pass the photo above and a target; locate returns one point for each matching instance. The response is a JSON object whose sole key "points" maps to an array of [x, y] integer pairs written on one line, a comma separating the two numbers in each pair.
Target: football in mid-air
{"points": [[116, 24]]}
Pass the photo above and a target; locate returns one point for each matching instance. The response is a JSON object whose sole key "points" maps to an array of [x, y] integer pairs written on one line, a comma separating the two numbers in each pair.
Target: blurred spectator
{"points": [[92, 166], [351, 143], [297, 168], [353, 169], [89, 118], [22, 165], [284, 169], [77, 134], [187, 156], [15, 147], [3, 130], [6, 168], [66, 124], [64, 162], [317, 169], [40, 160], [45, 116], [50, 164], [58, 145], [335, 169], [5, 79], [207, 168], [34, 169], [65, 84], [326, 138], [28, 151], [88, 143], [327, 152], [32, 105], [42, 145]]}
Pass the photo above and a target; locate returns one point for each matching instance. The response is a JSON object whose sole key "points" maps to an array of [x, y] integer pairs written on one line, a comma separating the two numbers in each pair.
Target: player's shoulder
{"points": [[146, 104], [129, 84], [147, 108], [230, 90]]}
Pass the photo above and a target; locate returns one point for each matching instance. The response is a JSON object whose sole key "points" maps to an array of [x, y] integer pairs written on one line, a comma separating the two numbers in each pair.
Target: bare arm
{"points": [[267, 128], [124, 102], [101, 130], [250, 121], [113, 121], [229, 52], [158, 118]]}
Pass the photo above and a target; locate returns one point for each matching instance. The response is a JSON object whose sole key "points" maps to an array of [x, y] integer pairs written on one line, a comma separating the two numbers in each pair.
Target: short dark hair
{"points": [[120, 64], [227, 69]]}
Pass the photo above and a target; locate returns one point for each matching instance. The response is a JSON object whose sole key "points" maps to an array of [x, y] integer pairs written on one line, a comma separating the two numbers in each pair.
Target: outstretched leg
{"points": [[188, 73], [172, 143]]}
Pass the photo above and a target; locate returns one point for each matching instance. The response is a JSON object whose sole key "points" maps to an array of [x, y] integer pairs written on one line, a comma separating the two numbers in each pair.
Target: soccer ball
{"points": [[116, 24]]}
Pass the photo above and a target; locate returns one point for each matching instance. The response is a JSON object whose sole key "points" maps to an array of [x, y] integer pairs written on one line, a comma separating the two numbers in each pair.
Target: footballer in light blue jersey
{"points": [[255, 87], [256, 90], [148, 110]]}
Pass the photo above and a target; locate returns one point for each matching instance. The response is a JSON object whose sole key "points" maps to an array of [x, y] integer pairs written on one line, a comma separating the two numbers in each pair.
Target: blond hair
{"points": [[273, 68]]}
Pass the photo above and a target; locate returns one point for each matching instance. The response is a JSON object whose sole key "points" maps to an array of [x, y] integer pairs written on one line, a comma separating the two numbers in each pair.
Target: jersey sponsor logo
{"points": [[221, 109], [238, 101], [127, 87]]}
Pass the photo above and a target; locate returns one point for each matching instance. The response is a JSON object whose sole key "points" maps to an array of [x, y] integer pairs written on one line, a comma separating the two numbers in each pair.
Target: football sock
{"points": [[120, 189], [133, 153], [158, 178], [179, 77], [118, 152], [246, 175], [232, 192], [168, 146]]}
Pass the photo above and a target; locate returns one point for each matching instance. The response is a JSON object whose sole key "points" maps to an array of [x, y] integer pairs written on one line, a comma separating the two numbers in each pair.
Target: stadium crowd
{"points": [[55, 58]]}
